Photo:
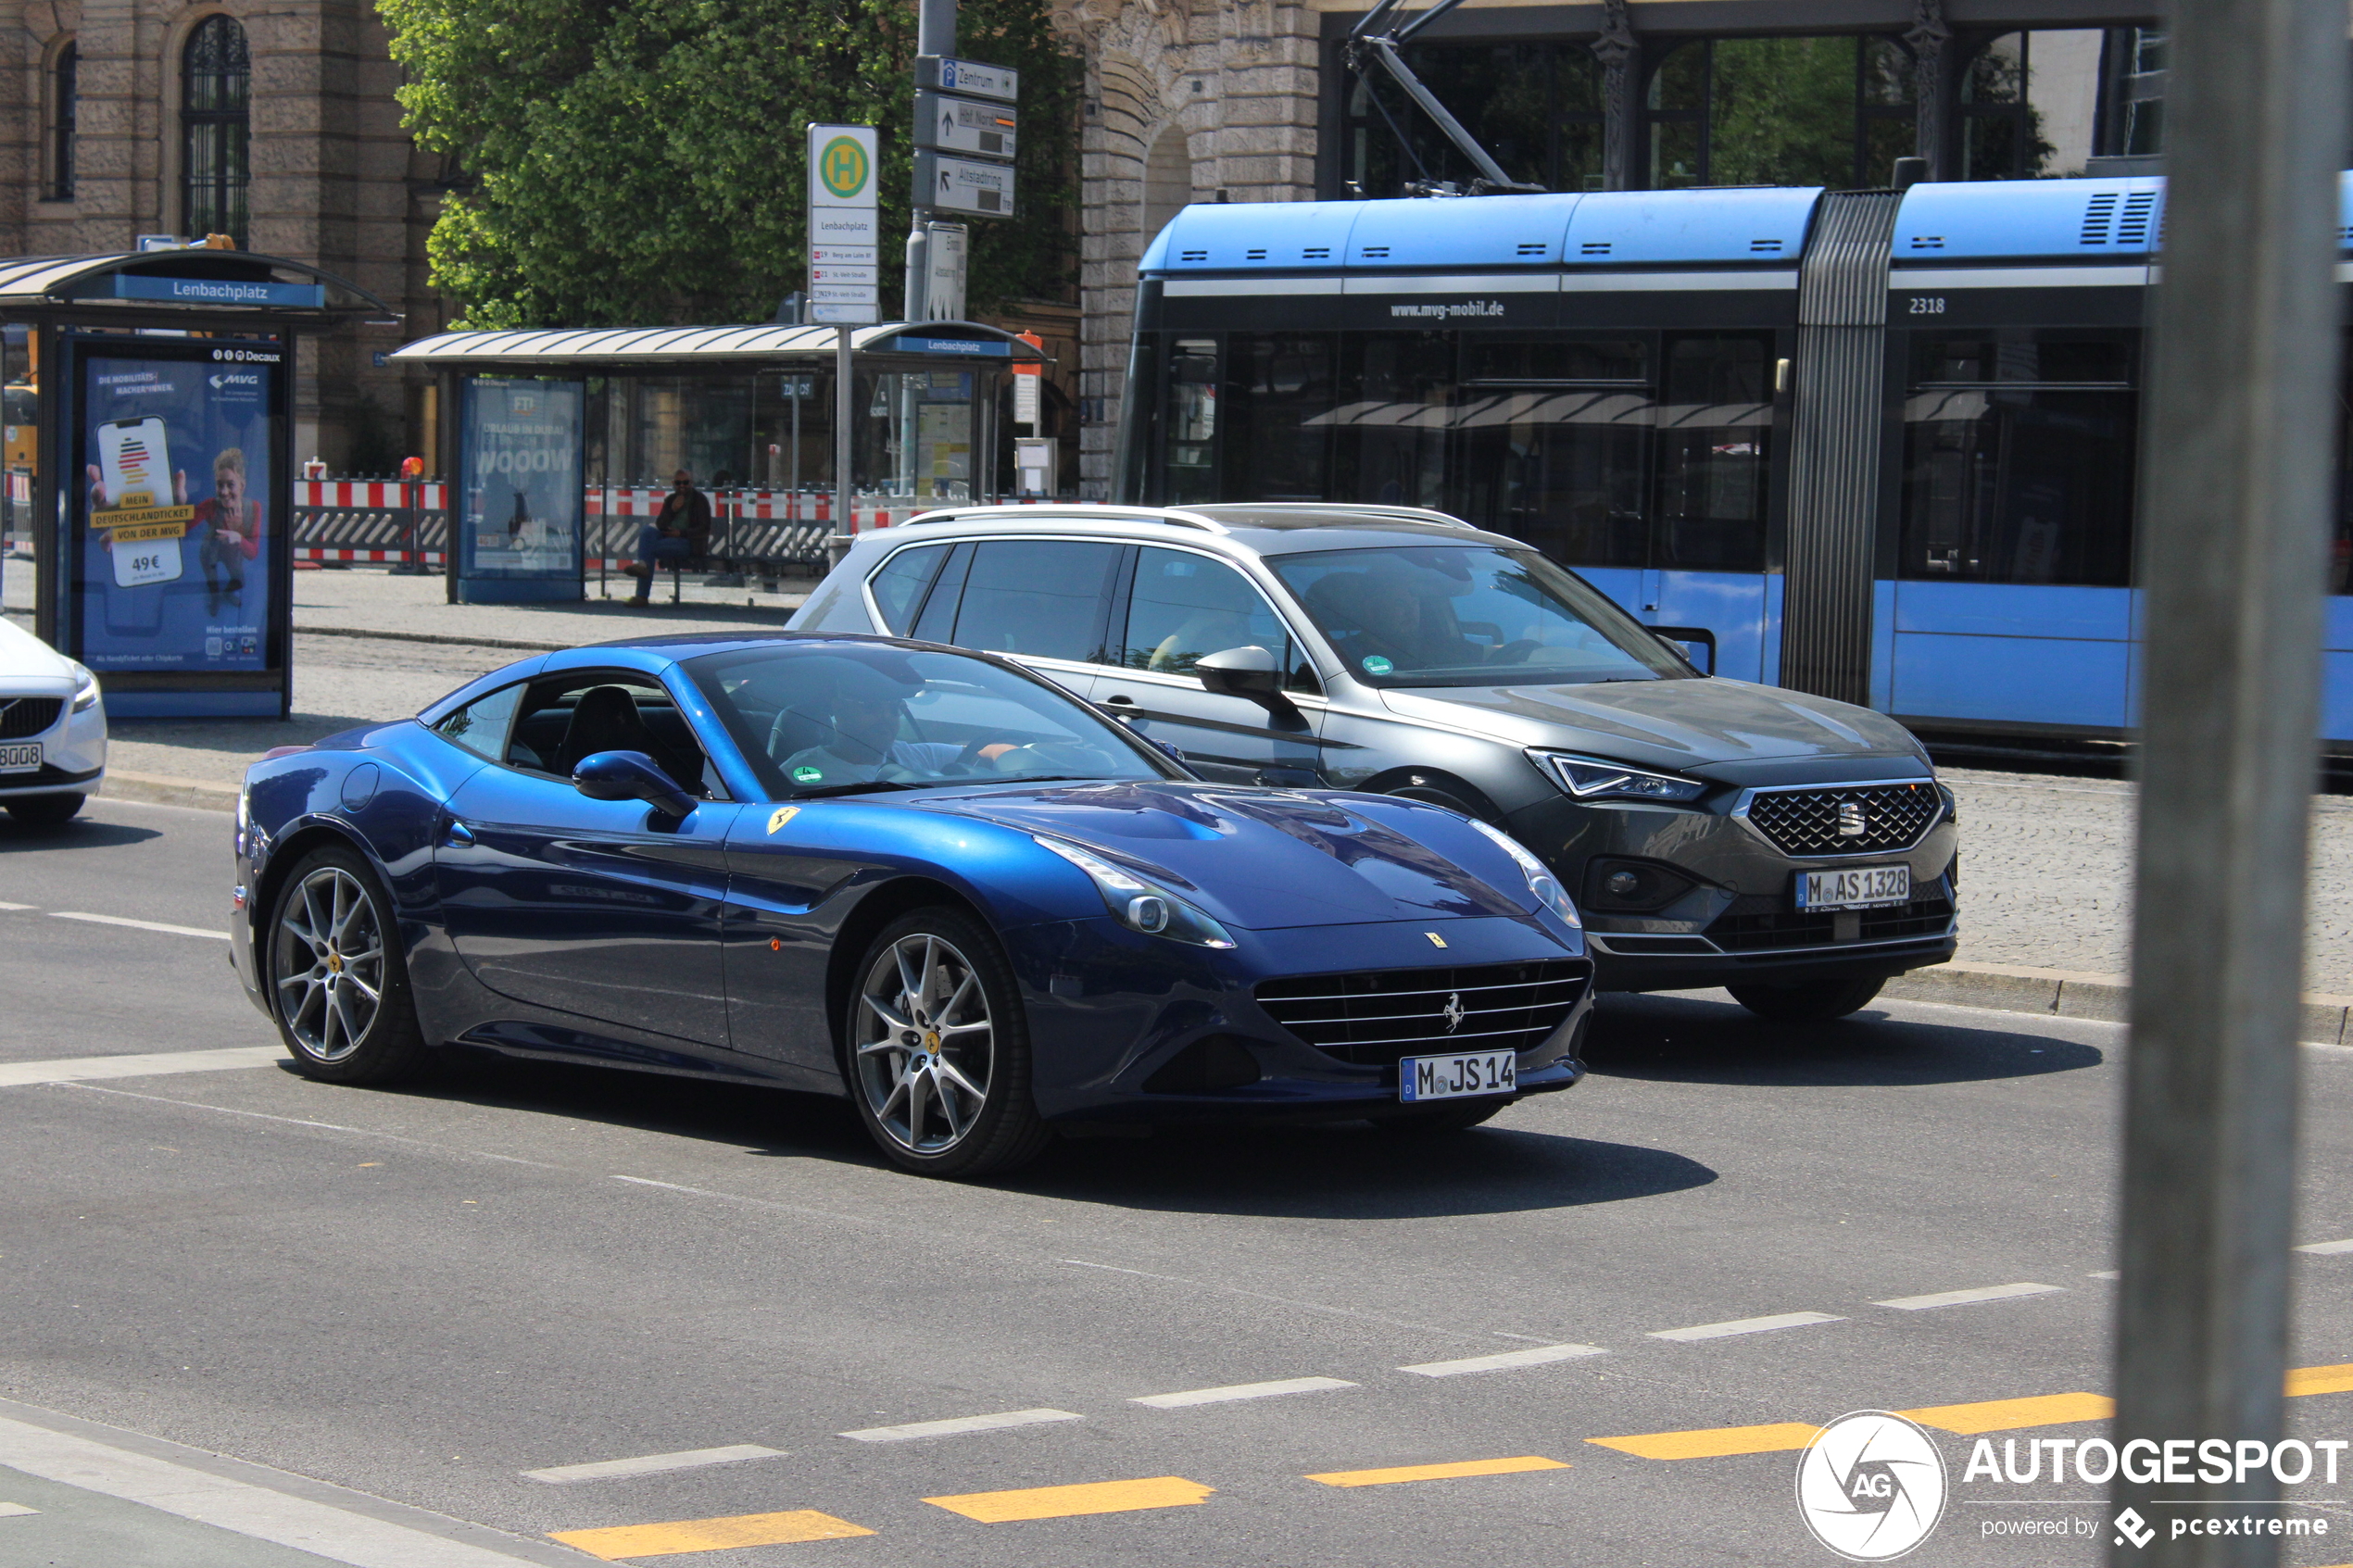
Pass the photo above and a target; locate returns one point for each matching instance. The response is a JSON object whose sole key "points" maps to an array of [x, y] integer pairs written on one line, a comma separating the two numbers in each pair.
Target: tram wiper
{"points": [[1365, 45]]}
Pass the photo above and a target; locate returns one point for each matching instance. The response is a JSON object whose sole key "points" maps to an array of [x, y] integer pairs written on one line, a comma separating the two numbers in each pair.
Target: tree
{"points": [[641, 161]]}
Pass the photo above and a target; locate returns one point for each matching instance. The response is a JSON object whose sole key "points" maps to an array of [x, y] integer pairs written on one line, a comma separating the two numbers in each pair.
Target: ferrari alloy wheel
{"points": [[938, 1054], [338, 988]]}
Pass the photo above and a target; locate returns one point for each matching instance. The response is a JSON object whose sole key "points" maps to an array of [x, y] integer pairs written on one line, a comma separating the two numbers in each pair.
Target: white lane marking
{"points": [[321, 1529], [19, 907], [1505, 1360], [141, 924], [955, 1424], [12, 1509], [2107, 1273], [74, 1069], [2326, 1247], [651, 1464], [1746, 1325], [1241, 1391], [1963, 1297]]}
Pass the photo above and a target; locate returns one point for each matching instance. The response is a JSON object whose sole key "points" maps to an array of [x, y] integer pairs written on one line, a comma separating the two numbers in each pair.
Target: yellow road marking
{"points": [[2008, 1415], [709, 1534], [1062, 1503], [1437, 1472], [1715, 1442], [2319, 1380]]}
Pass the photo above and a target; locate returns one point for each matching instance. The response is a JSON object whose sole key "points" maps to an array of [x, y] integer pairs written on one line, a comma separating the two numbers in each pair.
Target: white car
{"points": [[53, 730]]}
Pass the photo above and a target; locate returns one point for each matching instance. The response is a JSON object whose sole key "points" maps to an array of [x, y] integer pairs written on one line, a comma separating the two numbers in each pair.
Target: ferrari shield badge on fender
{"points": [[782, 815]]}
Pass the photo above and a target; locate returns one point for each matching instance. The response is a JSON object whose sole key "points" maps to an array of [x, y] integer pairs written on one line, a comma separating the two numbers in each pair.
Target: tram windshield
{"points": [[1448, 615]]}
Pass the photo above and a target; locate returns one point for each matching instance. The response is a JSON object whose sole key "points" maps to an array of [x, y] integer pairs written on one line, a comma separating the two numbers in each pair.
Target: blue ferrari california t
{"points": [[926, 879]]}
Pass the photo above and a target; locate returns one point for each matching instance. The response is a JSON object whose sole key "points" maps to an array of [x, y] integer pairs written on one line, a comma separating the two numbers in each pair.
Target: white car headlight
{"points": [[1540, 881], [85, 690], [1140, 905], [1590, 778]]}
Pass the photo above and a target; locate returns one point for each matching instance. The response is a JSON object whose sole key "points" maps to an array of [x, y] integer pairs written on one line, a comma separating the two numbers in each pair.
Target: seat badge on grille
{"points": [[1454, 1013], [1850, 818], [1435, 939]]}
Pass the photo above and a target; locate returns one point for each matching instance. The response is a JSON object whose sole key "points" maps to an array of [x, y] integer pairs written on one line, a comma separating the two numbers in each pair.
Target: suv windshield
{"points": [[839, 717], [1469, 615]]}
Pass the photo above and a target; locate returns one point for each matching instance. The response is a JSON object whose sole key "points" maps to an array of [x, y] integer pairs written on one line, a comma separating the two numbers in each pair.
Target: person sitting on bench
{"points": [[681, 532]]}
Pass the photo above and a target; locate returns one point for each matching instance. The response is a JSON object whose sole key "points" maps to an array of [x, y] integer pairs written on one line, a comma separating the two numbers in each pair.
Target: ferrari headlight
{"points": [[85, 690], [1590, 778], [1540, 881], [1140, 905]]}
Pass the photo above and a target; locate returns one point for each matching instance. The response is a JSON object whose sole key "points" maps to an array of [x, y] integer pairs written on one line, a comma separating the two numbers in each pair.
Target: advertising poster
{"points": [[176, 542], [522, 500]]}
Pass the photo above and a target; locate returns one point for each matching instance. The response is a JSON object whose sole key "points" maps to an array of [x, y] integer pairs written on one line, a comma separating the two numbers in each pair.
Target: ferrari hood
{"points": [[1261, 859], [1665, 723]]}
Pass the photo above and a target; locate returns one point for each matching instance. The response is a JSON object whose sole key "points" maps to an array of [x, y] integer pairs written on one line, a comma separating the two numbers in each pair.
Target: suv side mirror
{"points": [[1248, 673], [631, 775]]}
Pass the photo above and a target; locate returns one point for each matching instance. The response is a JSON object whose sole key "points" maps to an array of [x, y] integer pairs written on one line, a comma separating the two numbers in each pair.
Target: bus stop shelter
{"points": [[162, 490], [559, 444]]}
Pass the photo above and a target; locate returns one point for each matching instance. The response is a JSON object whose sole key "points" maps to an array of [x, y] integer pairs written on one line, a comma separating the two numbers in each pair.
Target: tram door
{"points": [[2014, 603]]}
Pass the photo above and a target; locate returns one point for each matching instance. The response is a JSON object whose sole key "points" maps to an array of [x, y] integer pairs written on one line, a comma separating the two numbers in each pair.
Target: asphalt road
{"points": [[364, 1315]]}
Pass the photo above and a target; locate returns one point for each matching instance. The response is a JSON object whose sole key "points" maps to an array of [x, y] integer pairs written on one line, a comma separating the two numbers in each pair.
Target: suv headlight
{"points": [[1592, 778], [1540, 881], [85, 690], [1140, 905]]}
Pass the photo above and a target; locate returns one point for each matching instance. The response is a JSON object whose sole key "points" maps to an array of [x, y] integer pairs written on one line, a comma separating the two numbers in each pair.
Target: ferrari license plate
{"points": [[20, 757], [1860, 887], [1422, 1078]]}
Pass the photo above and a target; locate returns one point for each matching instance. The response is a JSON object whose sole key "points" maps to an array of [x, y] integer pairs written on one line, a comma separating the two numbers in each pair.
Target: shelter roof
{"points": [[713, 348], [166, 287]]}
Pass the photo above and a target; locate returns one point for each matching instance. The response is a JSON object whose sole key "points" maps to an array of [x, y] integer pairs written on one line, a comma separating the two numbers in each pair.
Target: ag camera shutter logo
{"points": [[1871, 1487]]}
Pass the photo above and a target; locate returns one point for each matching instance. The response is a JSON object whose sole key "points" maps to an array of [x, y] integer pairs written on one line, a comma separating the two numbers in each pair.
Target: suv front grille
{"points": [[1373, 1020], [23, 716], [1757, 923], [1852, 819]]}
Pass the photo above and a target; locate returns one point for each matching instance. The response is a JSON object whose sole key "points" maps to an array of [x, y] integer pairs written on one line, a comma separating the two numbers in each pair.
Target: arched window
{"points": [[1168, 179], [215, 77], [64, 101]]}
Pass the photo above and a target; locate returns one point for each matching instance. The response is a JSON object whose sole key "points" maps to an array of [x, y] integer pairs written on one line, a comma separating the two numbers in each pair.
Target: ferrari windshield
{"points": [[1468, 615], [843, 718]]}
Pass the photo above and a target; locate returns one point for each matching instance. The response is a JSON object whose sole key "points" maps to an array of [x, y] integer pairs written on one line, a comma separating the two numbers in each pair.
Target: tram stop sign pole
{"points": [[2236, 460]]}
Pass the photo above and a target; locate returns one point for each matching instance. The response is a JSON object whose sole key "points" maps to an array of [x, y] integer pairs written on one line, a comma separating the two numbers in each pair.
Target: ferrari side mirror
{"points": [[631, 775]]}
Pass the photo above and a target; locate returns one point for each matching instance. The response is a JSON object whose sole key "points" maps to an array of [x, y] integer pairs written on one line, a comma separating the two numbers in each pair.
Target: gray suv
{"points": [[1795, 850]]}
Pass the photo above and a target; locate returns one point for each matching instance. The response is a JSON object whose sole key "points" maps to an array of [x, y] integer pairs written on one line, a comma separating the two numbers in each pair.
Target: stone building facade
{"points": [[124, 117]]}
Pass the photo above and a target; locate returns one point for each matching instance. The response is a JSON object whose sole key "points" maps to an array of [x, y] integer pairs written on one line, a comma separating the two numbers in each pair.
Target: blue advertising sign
{"points": [[177, 553], [206, 291], [519, 531]]}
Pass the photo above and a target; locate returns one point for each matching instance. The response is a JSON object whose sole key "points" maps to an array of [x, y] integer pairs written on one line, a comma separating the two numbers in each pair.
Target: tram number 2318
{"points": [[1928, 304]]}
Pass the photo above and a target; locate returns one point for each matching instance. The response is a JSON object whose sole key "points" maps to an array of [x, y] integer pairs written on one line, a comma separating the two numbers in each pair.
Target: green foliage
{"points": [[642, 161]]}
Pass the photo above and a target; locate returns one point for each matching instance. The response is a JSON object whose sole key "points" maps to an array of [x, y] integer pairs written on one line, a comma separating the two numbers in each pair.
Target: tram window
{"points": [[1390, 420], [1714, 450], [2340, 577], [1553, 453], [1277, 386], [2018, 459], [1189, 456]]}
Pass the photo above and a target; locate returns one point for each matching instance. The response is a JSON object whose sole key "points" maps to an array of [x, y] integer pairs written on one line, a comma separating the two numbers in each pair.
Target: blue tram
{"points": [[1874, 445]]}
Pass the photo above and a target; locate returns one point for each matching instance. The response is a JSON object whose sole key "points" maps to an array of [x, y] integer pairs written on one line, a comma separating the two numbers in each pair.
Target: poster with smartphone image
{"points": [[177, 546]]}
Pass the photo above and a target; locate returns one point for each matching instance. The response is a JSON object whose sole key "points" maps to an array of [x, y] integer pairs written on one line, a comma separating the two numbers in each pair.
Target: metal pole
{"points": [[935, 34], [844, 523], [2235, 464]]}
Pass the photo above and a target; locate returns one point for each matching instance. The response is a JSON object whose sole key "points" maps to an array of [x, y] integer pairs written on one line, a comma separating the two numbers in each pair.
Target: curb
{"points": [[2065, 992], [158, 789]]}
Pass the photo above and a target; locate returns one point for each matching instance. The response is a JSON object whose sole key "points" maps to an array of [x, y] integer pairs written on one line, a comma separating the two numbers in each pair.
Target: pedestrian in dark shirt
{"points": [[680, 531]]}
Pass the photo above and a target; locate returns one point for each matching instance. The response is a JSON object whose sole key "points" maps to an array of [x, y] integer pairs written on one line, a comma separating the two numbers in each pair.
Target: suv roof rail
{"points": [[1378, 508], [1045, 511]]}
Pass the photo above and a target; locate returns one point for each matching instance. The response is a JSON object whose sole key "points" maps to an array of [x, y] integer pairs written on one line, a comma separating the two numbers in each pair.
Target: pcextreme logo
{"points": [[1870, 1486], [842, 166]]}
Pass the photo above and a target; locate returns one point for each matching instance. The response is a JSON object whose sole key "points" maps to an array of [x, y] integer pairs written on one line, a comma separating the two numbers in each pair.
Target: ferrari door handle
{"points": [[457, 835]]}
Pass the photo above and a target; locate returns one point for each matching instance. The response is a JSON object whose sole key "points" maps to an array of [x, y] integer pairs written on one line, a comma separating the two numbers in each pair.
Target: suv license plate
{"points": [[1862, 887], [21, 759], [1422, 1078]]}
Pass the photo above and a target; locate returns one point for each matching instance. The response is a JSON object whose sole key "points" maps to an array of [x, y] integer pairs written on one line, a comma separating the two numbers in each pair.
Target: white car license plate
{"points": [[1859, 887], [20, 757], [1455, 1077]]}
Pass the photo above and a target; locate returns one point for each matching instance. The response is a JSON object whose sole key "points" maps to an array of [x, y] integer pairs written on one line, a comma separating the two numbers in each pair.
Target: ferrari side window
{"points": [[574, 716], [480, 725]]}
